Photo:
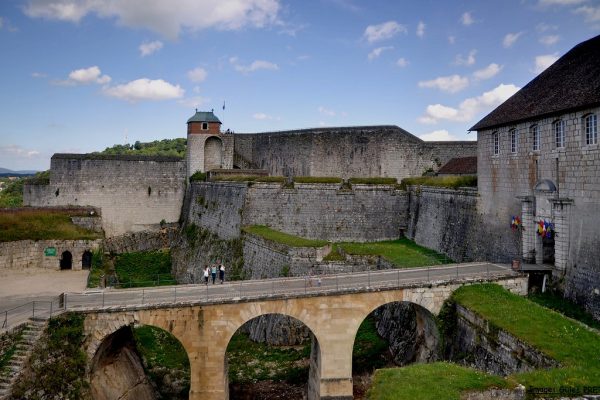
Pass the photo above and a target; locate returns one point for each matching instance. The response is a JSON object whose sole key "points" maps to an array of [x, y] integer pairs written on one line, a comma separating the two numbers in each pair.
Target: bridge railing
{"points": [[39, 309], [296, 286]]}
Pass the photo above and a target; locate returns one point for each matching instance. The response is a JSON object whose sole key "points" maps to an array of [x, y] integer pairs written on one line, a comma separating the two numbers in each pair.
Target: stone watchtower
{"points": [[207, 147]]}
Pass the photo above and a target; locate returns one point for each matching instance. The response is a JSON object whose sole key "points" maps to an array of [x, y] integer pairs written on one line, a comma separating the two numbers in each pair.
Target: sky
{"points": [[78, 76]]}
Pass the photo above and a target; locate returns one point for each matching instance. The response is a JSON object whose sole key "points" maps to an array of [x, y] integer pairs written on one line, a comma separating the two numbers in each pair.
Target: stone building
{"points": [[538, 158]]}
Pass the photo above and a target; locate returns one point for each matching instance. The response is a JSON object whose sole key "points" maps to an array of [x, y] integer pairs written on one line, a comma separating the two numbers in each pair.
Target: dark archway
{"points": [[86, 260], [394, 334], [66, 260], [141, 362], [272, 356]]}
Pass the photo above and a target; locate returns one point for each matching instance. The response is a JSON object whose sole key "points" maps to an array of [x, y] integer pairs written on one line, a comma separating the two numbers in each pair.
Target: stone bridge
{"points": [[205, 330]]}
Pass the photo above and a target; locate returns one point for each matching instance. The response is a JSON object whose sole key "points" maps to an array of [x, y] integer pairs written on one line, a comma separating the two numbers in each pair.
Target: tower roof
{"points": [[571, 83], [204, 116]]}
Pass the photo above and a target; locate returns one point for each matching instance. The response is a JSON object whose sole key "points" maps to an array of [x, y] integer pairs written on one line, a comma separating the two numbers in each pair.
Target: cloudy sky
{"points": [[81, 75]]}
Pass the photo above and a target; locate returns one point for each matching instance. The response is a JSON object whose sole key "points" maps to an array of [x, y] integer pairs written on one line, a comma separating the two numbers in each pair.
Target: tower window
{"points": [[205, 126], [590, 124], [514, 139], [496, 140], [535, 136], [559, 133]]}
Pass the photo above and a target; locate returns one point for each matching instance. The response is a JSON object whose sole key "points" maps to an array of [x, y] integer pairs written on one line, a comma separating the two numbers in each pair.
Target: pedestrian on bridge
{"points": [[213, 272], [221, 272], [206, 270]]}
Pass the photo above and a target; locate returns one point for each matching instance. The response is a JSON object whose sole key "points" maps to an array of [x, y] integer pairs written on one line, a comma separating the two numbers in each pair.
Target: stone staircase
{"points": [[31, 333]]}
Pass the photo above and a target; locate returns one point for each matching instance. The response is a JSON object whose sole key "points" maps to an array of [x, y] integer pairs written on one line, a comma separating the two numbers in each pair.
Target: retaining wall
{"points": [[23, 254]]}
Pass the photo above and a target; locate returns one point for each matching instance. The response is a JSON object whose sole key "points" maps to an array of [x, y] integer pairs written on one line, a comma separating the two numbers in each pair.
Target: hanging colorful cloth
{"points": [[549, 229], [515, 222], [540, 228]]}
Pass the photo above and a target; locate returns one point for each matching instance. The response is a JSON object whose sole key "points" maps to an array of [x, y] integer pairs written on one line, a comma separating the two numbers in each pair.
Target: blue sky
{"points": [[82, 75]]}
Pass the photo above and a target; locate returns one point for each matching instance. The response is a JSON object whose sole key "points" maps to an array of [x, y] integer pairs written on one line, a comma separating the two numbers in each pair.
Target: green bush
{"points": [[198, 177], [12, 195], [317, 179], [143, 269], [40, 178], [452, 182], [373, 181]]}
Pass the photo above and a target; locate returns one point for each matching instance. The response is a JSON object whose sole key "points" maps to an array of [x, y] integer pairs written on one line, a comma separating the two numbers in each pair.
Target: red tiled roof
{"points": [[459, 166]]}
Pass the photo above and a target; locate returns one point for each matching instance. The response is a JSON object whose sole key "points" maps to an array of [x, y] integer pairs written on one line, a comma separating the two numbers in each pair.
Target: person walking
{"points": [[222, 273], [213, 272], [206, 274]]}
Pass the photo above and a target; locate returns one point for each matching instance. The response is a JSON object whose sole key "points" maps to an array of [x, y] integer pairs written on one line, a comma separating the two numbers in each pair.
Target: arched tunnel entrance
{"points": [[393, 335], [140, 363], [272, 356]]}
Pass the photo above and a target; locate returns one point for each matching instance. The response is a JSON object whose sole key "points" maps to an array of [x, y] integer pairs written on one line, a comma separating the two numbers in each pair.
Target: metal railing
{"points": [[311, 285]]}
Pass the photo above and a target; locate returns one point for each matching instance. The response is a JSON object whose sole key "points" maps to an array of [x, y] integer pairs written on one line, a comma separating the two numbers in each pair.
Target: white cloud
{"points": [[510, 39], [488, 72], [169, 18], [386, 30], [325, 111], [468, 60], [421, 29], [264, 117], [377, 52], [544, 61], [544, 27], [254, 66], [145, 89], [439, 135], [401, 62], [450, 84], [467, 19], [197, 74], [560, 2], [590, 13], [148, 48], [86, 76], [5, 24], [549, 40], [14, 151], [468, 108], [451, 39], [194, 102], [38, 75]]}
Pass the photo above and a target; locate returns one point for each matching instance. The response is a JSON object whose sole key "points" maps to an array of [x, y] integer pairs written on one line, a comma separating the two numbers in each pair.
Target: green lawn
{"points": [[44, 224], [433, 381], [558, 303], [283, 238], [403, 253], [143, 269]]}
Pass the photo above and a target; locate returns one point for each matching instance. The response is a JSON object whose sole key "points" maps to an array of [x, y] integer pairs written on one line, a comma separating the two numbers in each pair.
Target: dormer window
{"points": [[205, 126]]}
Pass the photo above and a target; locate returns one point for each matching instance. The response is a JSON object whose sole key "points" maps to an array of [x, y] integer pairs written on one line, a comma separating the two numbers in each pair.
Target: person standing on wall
{"points": [[206, 274], [221, 272], [213, 272]]}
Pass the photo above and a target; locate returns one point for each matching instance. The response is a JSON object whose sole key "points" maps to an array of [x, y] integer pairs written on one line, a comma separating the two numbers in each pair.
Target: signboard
{"points": [[50, 251]]}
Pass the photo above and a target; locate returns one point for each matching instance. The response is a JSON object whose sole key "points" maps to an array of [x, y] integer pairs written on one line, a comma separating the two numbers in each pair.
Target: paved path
{"points": [[255, 289]]}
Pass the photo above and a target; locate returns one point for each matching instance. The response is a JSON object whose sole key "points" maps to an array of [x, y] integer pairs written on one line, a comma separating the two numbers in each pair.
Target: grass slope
{"points": [[403, 253], [143, 269], [40, 225]]}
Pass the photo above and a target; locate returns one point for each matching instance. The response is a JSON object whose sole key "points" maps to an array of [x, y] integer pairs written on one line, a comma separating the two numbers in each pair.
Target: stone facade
{"points": [[573, 207], [367, 151], [134, 193], [23, 254], [205, 331]]}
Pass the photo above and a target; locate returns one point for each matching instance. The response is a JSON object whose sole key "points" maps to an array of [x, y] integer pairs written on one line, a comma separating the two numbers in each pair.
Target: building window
{"points": [[496, 140], [205, 126], [559, 133], [591, 129], [535, 136], [514, 139]]}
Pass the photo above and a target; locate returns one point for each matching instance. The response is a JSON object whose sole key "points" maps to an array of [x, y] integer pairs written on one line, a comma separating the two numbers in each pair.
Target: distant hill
{"points": [[165, 147], [9, 172]]}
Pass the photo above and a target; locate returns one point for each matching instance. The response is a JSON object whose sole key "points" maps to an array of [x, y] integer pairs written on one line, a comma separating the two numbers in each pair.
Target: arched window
{"points": [[534, 131], [590, 126], [496, 140], [514, 141], [559, 133]]}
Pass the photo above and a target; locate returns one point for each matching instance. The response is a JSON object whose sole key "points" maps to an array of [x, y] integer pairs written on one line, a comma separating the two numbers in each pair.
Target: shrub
{"points": [[452, 182], [373, 181], [317, 179], [198, 177]]}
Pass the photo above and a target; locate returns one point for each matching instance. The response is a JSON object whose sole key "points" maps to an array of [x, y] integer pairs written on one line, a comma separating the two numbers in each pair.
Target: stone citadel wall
{"points": [[347, 152], [134, 193]]}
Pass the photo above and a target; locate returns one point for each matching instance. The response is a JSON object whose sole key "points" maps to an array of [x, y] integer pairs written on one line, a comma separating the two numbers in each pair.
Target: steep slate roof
{"points": [[204, 116], [571, 83], [459, 166]]}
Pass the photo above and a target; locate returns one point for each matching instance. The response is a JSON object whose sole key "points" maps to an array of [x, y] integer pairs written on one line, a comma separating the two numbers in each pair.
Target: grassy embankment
{"points": [[42, 224], [283, 238], [138, 269], [450, 182], [574, 345]]}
